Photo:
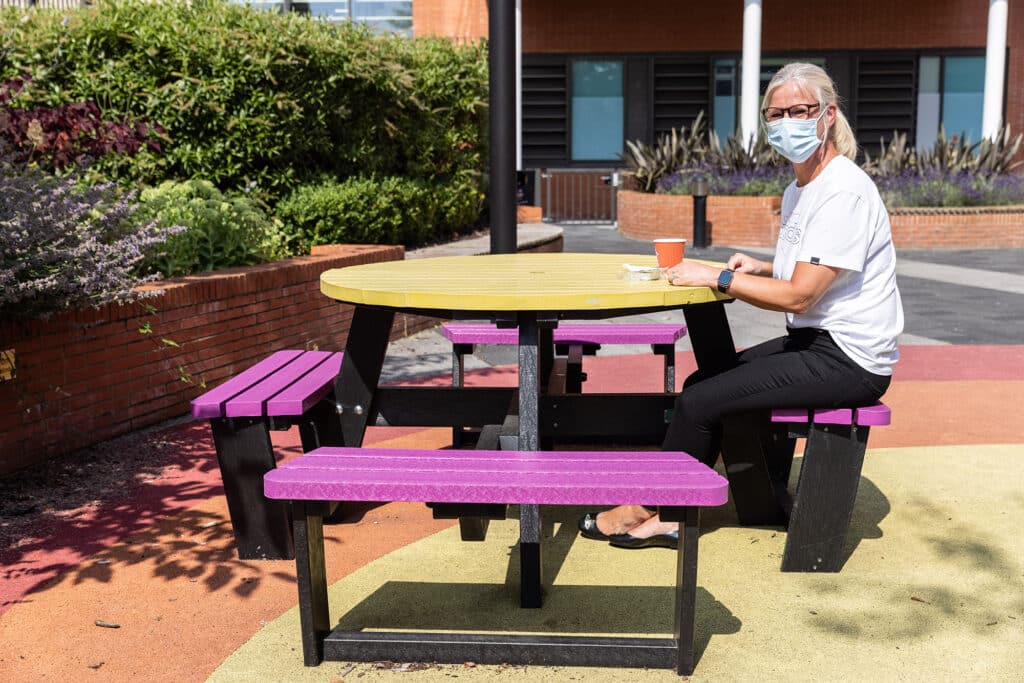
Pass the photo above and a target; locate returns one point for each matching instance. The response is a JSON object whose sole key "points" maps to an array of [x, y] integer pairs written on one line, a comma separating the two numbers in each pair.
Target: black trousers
{"points": [[804, 369]]}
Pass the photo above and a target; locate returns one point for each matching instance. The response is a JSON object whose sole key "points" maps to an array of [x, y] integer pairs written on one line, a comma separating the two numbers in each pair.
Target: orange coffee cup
{"points": [[670, 251]]}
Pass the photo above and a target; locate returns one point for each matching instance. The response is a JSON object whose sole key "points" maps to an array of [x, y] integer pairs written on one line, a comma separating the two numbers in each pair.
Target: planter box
{"points": [[87, 376], [748, 221], [754, 222], [981, 227]]}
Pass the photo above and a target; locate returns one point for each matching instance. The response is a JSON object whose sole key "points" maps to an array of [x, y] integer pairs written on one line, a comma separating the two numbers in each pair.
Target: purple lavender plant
{"points": [[760, 181], [944, 188], [63, 246]]}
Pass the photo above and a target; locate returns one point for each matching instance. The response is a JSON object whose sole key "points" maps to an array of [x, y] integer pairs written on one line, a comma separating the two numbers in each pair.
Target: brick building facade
{"points": [[654, 64]]}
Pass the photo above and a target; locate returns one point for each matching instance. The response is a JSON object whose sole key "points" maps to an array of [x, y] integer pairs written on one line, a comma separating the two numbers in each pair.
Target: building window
{"points": [[597, 110], [726, 98], [929, 101], [950, 93], [963, 86]]}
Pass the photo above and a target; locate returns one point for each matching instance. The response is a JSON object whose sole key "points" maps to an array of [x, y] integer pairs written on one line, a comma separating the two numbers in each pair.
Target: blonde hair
{"points": [[817, 82]]}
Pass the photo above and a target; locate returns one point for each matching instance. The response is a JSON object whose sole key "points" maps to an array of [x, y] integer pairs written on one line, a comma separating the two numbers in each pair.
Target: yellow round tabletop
{"points": [[510, 282]]}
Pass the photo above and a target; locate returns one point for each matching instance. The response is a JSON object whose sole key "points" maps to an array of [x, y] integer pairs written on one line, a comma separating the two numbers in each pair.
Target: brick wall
{"points": [[968, 228], [88, 376], [754, 221], [462, 20], [794, 27], [751, 221]]}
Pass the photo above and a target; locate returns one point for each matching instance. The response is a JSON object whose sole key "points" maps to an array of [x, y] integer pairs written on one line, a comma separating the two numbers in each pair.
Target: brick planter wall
{"points": [[754, 221], [750, 221], [958, 228], [87, 376]]}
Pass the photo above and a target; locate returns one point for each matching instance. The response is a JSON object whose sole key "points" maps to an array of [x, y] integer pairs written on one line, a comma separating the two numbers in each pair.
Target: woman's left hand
{"points": [[692, 274]]}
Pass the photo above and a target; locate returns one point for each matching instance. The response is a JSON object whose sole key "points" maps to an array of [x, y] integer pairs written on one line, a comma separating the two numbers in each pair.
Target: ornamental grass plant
{"points": [[953, 172]]}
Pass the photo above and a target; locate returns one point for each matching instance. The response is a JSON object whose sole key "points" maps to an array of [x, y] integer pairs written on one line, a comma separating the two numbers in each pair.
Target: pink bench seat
{"points": [[282, 384], [675, 482], [286, 388], [877, 415], [481, 476], [823, 505], [570, 333]]}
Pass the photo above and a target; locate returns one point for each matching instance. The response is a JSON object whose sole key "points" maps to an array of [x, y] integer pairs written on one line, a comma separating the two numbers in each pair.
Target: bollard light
{"points": [[700, 203]]}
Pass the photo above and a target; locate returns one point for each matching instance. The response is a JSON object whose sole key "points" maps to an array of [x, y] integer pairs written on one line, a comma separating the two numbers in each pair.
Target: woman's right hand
{"points": [[742, 263]]}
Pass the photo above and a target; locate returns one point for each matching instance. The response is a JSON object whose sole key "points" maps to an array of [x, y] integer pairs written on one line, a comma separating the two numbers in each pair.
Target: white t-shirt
{"points": [[838, 219]]}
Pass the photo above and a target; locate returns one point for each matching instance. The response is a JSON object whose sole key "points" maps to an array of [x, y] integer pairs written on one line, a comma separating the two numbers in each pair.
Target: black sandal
{"points": [[588, 527], [669, 540]]}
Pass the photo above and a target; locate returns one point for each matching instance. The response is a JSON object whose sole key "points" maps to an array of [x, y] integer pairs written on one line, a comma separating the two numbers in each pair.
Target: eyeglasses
{"points": [[797, 111]]}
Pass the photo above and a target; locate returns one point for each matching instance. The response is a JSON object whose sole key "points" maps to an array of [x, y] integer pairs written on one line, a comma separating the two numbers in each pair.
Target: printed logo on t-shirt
{"points": [[790, 230]]}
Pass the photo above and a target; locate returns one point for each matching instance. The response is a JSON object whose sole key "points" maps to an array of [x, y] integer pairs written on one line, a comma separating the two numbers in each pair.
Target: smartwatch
{"points": [[724, 280]]}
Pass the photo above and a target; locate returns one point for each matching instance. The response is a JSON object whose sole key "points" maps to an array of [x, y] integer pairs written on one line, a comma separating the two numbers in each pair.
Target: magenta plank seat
{"points": [[675, 482], [877, 415], [569, 333], [576, 340], [284, 389], [823, 505], [481, 476], [284, 383]]}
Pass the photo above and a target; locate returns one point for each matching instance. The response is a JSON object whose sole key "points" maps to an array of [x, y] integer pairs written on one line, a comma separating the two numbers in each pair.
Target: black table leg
{"points": [[757, 460], [360, 370], [529, 440], [708, 329]]}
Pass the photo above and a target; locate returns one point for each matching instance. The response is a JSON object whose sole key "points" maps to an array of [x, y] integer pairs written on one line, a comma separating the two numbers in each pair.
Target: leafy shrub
{"points": [[252, 96], [67, 135], [222, 231], [386, 210], [63, 246]]}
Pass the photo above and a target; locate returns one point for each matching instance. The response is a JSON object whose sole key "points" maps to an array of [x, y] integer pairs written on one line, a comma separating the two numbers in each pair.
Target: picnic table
{"points": [[532, 293]]}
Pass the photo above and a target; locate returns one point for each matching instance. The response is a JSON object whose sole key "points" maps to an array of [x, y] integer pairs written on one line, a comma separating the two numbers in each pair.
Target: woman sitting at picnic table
{"points": [[834, 276]]}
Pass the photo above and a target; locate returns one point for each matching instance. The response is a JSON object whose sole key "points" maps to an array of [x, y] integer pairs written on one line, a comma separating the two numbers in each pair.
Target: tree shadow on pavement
{"points": [[113, 499]]}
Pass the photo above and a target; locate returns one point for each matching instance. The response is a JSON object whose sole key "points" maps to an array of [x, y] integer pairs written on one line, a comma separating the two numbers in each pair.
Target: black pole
{"points": [[502, 65], [700, 204]]}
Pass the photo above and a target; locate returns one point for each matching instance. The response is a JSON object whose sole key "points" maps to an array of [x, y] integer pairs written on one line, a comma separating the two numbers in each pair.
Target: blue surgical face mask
{"points": [[795, 139]]}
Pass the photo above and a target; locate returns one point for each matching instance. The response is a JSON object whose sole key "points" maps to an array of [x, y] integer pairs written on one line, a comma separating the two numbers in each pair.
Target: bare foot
{"points": [[622, 519], [653, 526]]}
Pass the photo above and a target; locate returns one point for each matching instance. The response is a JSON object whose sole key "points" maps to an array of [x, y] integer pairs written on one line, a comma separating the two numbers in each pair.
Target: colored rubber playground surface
{"points": [[145, 585], [932, 590]]}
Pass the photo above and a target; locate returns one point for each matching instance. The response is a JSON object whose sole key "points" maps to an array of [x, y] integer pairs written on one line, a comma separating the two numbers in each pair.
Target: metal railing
{"points": [[574, 195]]}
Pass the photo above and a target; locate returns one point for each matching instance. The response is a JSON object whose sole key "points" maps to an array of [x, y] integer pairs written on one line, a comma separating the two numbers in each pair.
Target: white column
{"points": [[995, 68], [750, 71], [519, 85]]}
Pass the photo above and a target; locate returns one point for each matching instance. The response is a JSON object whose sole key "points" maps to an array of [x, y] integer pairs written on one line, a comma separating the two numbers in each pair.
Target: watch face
{"points": [[724, 280]]}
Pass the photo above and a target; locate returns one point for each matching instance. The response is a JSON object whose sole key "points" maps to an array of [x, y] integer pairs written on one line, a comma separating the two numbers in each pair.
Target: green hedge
{"points": [[255, 100], [386, 210]]}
